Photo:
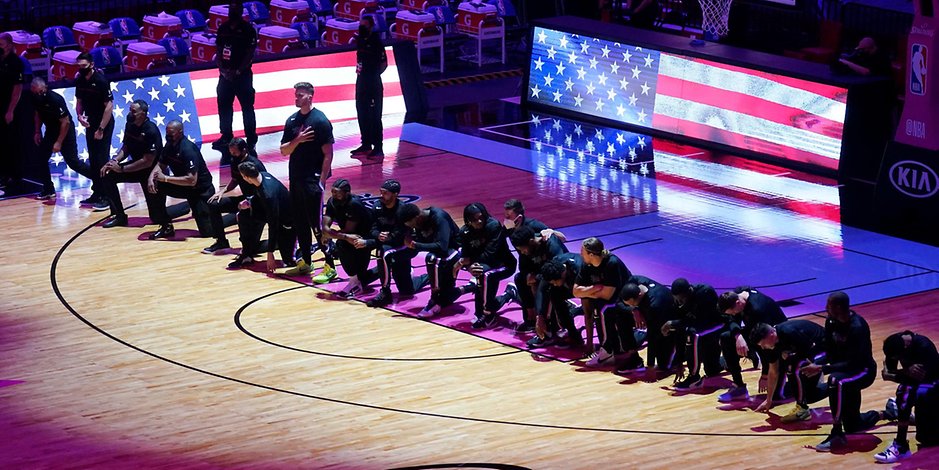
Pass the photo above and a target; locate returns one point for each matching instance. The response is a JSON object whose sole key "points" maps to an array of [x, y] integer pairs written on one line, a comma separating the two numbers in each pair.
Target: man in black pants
{"points": [[552, 302], [273, 201], [189, 179], [652, 306], [435, 232], [918, 379], [394, 258], [370, 63], [745, 308], [355, 224], [534, 250], [235, 46], [598, 284], [132, 164], [226, 200], [486, 256], [93, 106], [787, 347], [850, 365], [308, 140], [698, 325], [51, 111], [12, 81]]}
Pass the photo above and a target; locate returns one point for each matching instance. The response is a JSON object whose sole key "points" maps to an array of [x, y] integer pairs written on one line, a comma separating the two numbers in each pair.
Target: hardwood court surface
{"points": [[142, 361]]}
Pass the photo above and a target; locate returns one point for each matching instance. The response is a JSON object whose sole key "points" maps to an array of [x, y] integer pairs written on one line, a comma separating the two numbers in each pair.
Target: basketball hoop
{"points": [[715, 15]]}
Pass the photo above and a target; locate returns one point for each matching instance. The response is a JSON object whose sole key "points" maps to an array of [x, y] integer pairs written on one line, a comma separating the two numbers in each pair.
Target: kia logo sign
{"points": [[914, 179]]}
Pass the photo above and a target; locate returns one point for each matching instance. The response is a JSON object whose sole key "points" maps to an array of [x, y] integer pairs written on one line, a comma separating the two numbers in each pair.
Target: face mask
{"points": [[510, 223], [364, 30]]}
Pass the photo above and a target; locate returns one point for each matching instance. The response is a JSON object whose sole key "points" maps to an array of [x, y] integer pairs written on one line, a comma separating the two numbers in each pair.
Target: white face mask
{"points": [[510, 223]]}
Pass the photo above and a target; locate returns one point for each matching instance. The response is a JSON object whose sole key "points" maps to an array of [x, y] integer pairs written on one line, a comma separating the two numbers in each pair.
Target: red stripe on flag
{"points": [[750, 105], [278, 98], [828, 91], [711, 134]]}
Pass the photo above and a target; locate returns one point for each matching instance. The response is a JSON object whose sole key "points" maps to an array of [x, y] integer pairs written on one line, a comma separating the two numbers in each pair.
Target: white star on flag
{"points": [[541, 37], [610, 94], [564, 42], [83, 155], [170, 106], [572, 58], [557, 96], [538, 62], [581, 73], [568, 85], [159, 120], [606, 52], [627, 56], [113, 87], [154, 94], [578, 100], [593, 63], [551, 52], [535, 92], [557, 124], [560, 66], [138, 83], [118, 110], [578, 129], [614, 68], [620, 110], [184, 116], [635, 71], [584, 47], [620, 139], [633, 99], [590, 88], [128, 97], [610, 149], [645, 88], [180, 91], [598, 134], [641, 116], [164, 80], [642, 142], [602, 78], [648, 60], [624, 84], [548, 79]]}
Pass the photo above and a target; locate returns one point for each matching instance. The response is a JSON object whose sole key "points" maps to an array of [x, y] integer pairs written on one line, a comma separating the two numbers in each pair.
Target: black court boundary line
{"points": [[64, 302], [248, 333]]}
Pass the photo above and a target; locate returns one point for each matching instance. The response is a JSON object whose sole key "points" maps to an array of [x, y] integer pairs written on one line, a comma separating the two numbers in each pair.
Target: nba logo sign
{"points": [[918, 62]]}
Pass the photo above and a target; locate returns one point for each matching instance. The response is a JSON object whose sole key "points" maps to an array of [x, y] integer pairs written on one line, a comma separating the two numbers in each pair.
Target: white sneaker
{"points": [[598, 358], [892, 454], [428, 312], [352, 288]]}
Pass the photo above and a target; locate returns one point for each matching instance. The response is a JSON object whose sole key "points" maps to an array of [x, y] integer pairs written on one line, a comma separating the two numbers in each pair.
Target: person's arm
{"points": [[106, 117], [306, 134], [327, 169], [249, 54], [37, 123], [187, 181], [80, 112], [858, 69], [141, 164], [771, 381], [441, 245], [14, 100]]}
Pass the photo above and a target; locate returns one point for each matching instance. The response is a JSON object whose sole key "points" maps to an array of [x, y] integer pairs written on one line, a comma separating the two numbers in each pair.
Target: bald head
{"points": [[174, 131], [867, 44]]}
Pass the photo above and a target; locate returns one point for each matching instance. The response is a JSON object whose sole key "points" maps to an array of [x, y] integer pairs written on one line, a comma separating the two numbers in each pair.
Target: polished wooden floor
{"points": [[121, 353]]}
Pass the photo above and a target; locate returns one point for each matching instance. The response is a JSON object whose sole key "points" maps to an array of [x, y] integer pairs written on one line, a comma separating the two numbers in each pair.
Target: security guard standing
{"points": [[235, 47], [371, 61]]}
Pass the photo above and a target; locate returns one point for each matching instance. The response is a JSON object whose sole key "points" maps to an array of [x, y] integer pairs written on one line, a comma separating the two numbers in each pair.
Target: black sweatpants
{"points": [[108, 189], [551, 302], [241, 87], [306, 200], [99, 152], [844, 399], [355, 261], [250, 223], [69, 154], [487, 299], [703, 347], [394, 263], [368, 106], [728, 342], [197, 198], [442, 283], [616, 326]]}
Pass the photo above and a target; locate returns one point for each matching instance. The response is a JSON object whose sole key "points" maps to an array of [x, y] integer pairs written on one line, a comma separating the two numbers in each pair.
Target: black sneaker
{"points": [[116, 221], [220, 144], [376, 153], [536, 342], [90, 200], [691, 382], [166, 231], [362, 149], [46, 195], [218, 245], [525, 327], [383, 298], [511, 293], [633, 365], [100, 205], [484, 321], [241, 261]]}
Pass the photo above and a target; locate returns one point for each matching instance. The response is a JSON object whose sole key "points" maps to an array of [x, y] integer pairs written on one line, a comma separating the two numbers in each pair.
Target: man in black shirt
{"points": [[434, 231], [132, 164], [370, 63], [866, 59], [51, 111], [181, 173], [699, 325], [652, 306], [534, 250], [273, 201], [93, 106], [226, 200], [308, 140], [598, 284], [355, 224], [917, 380], [553, 305], [235, 44], [12, 81], [787, 347], [394, 258], [745, 307], [849, 363], [485, 254]]}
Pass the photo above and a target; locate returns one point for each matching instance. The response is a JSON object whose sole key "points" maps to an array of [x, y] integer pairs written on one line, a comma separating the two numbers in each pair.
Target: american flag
{"points": [[190, 97], [747, 109]]}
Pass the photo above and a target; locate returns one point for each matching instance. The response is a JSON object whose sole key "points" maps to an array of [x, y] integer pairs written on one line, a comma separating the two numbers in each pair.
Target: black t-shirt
{"points": [[185, 158], [612, 272], [700, 310], [275, 201], [235, 42], [487, 245], [142, 139], [50, 109], [387, 219], [760, 308], [438, 235], [658, 305], [921, 351], [368, 51], [247, 188], [848, 346], [541, 254], [572, 263], [878, 63], [306, 161], [12, 72], [94, 93], [798, 339], [352, 212]]}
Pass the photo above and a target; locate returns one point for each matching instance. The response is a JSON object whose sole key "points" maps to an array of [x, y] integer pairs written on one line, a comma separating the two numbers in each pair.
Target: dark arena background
{"points": [[748, 159]]}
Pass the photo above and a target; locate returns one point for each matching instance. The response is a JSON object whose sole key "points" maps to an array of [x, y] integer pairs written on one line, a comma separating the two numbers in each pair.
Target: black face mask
{"points": [[87, 71], [364, 30]]}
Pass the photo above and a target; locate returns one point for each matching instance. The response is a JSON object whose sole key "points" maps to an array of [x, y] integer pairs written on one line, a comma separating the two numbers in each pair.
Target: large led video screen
{"points": [[783, 117], [190, 97]]}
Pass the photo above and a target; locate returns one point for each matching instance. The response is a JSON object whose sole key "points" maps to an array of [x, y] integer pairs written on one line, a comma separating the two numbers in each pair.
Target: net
{"points": [[714, 17]]}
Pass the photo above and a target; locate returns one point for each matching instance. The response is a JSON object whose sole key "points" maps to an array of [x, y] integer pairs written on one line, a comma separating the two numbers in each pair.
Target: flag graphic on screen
{"points": [[191, 97], [762, 112]]}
